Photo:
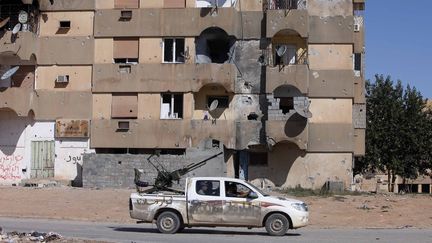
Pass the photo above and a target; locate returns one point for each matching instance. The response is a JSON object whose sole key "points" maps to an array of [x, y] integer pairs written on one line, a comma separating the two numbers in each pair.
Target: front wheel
{"points": [[277, 224], [168, 222]]}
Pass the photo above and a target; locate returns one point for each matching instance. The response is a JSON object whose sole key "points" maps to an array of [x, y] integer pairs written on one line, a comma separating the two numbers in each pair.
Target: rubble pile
{"points": [[34, 236]]}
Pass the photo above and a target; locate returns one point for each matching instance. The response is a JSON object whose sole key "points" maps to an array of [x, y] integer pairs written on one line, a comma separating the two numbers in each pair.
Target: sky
{"points": [[399, 42]]}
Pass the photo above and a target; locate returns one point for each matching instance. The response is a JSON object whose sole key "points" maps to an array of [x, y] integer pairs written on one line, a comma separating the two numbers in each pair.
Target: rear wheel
{"points": [[168, 222], [277, 224]]}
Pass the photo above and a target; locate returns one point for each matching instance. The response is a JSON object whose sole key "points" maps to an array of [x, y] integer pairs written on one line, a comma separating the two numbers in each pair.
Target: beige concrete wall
{"points": [[151, 3], [331, 111], [81, 23], [79, 78], [105, 4], [103, 50], [288, 167], [102, 106], [149, 106], [331, 57], [200, 103], [327, 8], [190, 45], [150, 50], [250, 5]]}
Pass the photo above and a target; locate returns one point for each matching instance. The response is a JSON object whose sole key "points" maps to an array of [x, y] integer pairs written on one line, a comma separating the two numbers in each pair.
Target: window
{"points": [[357, 64], [173, 50], [223, 101], [286, 104], [124, 106], [65, 24], [285, 54], [207, 188], [234, 189], [125, 50], [171, 106]]}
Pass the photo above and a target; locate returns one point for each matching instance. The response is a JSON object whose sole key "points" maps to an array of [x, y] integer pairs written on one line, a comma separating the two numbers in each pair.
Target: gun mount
{"points": [[164, 179]]}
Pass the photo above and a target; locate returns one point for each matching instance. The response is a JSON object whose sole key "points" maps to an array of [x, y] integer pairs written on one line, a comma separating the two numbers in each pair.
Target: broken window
{"points": [[174, 50], [124, 105], [286, 104], [222, 101], [214, 46], [126, 3], [171, 106], [285, 54], [126, 50]]}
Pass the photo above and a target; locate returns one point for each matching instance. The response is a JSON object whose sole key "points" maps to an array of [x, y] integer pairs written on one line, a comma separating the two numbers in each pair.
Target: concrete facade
{"points": [[105, 79]]}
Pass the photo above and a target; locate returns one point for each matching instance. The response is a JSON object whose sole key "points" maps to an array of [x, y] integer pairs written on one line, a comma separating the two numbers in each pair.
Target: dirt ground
{"points": [[111, 205]]}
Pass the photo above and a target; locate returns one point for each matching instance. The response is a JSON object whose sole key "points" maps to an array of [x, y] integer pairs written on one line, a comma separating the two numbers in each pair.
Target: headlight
{"points": [[300, 206]]}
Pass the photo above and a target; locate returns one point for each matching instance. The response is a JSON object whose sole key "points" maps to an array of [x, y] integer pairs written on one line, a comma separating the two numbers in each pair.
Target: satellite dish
{"points": [[281, 50], [16, 28], [213, 105], [22, 17], [4, 22], [303, 112], [9, 73]]}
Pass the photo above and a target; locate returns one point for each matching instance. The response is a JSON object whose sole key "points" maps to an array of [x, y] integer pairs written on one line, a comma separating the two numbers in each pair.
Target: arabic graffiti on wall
{"points": [[74, 159], [10, 167]]}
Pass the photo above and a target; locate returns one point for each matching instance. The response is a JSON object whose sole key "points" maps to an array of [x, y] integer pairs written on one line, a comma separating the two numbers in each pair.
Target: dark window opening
{"points": [[426, 188], [215, 143], [357, 61], [174, 50], [286, 104], [126, 60], [66, 24], [223, 101], [258, 158], [214, 46], [123, 126], [125, 15], [172, 106]]}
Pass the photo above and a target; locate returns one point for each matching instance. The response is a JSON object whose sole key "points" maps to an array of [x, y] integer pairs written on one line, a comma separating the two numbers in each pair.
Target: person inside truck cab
{"points": [[231, 190], [205, 188]]}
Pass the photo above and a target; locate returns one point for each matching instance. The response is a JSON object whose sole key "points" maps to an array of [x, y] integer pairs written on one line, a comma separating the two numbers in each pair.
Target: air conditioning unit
{"points": [[123, 126], [62, 79], [356, 27]]}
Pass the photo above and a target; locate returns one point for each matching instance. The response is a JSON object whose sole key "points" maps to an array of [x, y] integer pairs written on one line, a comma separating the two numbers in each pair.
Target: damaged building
{"points": [[90, 88]]}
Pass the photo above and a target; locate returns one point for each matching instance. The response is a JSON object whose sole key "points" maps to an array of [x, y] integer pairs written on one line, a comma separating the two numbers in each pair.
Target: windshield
{"points": [[257, 189]]}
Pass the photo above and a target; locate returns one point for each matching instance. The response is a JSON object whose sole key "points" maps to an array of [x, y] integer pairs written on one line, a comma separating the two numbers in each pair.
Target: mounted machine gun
{"points": [[164, 179]]}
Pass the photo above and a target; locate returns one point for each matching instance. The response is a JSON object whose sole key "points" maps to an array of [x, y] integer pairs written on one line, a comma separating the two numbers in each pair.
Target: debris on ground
{"points": [[33, 236]]}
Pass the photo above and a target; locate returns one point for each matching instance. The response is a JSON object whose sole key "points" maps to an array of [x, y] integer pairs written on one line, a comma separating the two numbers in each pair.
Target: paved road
{"points": [[148, 233]]}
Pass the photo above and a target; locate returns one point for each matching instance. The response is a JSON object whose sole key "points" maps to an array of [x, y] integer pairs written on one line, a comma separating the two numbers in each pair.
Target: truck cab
{"points": [[216, 201]]}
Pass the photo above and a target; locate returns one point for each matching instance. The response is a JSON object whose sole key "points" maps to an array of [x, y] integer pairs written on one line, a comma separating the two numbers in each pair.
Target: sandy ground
{"points": [[111, 205]]}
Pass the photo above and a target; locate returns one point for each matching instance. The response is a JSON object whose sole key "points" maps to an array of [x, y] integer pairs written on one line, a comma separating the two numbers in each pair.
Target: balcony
{"points": [[162, 77], [174, 133], [286, 14], [16, 99], [294, 130], [22, 45], [295, 75], [172, 22]]}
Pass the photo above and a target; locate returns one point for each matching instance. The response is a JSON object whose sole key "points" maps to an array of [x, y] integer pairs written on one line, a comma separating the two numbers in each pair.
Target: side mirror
{"points": [[252, 195]]}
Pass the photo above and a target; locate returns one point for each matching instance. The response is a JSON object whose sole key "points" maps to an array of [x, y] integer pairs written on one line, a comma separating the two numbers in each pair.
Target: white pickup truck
{"points": [[218, 201]]}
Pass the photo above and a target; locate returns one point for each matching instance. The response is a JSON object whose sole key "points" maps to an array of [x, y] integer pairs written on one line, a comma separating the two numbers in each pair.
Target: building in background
{"points": [[278, 86]]}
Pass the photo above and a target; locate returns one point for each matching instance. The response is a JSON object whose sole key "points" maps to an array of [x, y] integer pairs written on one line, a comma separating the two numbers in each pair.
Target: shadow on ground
{"points": [[194, 231]]}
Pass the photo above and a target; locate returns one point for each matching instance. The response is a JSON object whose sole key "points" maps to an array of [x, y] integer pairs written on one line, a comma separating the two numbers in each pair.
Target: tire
{"points": [[277, 224], [168, 222]]}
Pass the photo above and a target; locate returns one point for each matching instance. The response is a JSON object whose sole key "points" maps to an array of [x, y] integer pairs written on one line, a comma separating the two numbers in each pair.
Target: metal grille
{"points": [[42, 159]]}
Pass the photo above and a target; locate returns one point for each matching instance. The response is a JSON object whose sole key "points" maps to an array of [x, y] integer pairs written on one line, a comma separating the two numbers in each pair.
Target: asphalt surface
{"points": [[148, 233]]}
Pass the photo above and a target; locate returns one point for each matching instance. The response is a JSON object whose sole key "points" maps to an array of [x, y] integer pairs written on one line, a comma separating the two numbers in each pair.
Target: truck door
{"points": [[238, 209], [204, 202]]}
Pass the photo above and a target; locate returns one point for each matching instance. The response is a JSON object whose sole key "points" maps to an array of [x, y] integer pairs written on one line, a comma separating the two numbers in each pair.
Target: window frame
{"points": [[174, 48], [217, 193], [172, 104]]}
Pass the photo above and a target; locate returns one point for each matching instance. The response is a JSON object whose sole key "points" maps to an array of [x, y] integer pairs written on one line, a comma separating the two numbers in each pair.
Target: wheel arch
{"points": [[169, 210], [280, 212]]}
